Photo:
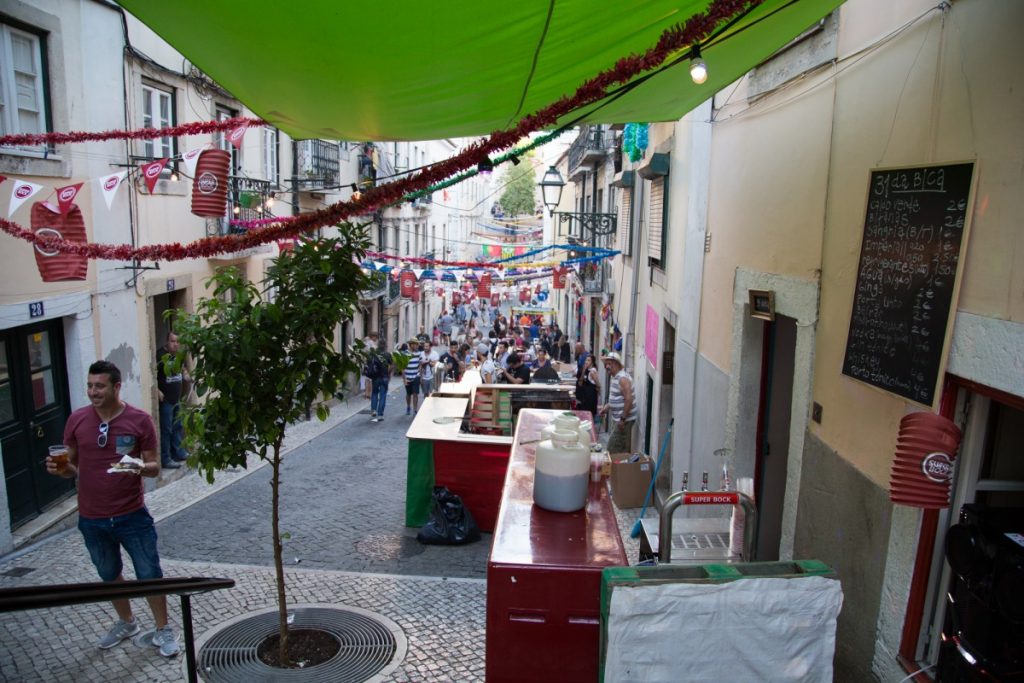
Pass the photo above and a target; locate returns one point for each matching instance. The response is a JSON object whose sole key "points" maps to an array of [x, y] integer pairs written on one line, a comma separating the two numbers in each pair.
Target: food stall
{"points": [[544, 574], [461, 439]]}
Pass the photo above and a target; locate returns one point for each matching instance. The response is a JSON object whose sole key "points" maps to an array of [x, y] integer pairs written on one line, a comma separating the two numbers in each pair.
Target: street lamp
{"points": [[551, 188]]}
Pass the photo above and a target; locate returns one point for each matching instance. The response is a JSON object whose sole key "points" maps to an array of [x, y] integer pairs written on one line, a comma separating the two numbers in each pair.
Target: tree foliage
{"points": [[520, 182], [263, 359]]}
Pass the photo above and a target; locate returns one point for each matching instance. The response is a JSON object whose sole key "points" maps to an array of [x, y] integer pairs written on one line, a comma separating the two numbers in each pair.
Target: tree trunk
{"points": [[282, 604]]}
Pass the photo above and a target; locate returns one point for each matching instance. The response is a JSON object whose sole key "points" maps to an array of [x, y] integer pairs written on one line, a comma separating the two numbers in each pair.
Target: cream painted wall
{"points": [[949, 89], [769, 171]]}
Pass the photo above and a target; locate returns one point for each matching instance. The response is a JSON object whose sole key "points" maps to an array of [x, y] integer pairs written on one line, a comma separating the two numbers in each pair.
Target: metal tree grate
{"points": [[367, 646]]}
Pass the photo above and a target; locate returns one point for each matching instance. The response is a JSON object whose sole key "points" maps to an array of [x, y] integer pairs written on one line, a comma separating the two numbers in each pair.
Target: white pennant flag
{"points": [[21, 192], [380, 265], [110, 184], [191, 158], [418, 273]]}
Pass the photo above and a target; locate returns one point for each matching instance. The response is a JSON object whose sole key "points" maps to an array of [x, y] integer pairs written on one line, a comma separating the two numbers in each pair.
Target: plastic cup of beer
{"points": [[59, 457]]}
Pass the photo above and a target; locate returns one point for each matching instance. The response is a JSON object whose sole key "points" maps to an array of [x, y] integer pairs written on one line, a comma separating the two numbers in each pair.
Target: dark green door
{"points": [[34, 404]]}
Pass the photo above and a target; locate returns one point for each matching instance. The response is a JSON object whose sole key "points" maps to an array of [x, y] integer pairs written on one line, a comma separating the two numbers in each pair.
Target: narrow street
{"points": [[342, 501]]}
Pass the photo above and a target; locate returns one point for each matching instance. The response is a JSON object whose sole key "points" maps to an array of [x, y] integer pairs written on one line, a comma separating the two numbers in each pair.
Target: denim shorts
{"points": [[135, 532]]}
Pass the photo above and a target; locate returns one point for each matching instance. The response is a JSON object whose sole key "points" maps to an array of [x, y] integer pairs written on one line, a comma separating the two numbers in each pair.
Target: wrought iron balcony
{"points": [[248, 200], [378, 286], [317, 164], [590, 147], [393, 293], [593, 276], [585, 224]]}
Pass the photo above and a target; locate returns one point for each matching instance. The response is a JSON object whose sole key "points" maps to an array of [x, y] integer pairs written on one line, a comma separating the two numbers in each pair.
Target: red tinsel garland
{"points": [[679, 37], [197, 128]]}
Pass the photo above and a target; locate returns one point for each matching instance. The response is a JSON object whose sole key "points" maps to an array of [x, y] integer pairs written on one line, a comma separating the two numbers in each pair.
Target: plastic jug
{"points": [[564, 421], [584, 432], [562, 476]]}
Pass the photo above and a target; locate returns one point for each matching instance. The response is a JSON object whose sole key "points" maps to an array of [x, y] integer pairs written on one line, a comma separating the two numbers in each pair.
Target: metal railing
{"points": [[592, 143], [64, 594], [318, 164]]}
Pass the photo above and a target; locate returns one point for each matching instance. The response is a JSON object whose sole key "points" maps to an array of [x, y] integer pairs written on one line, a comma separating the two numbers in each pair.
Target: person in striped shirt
{"points": [[411, 377], [621, 404]]}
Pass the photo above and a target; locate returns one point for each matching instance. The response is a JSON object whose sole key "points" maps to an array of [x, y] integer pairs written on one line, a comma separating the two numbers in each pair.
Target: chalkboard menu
{"points": [[913, 229]]}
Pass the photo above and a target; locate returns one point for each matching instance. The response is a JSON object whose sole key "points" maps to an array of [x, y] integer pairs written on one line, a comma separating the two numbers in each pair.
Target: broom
{"points": [[635, 533]]}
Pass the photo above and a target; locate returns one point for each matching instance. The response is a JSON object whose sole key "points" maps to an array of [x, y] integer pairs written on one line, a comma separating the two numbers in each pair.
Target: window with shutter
{"points": [[22, 98], [655, 222], [625, 227]]}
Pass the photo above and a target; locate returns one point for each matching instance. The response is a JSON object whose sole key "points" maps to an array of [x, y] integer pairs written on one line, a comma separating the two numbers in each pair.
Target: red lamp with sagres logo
{"points": [[922, 471], [50, 222], [407, 283], [210, 185], [483, 286]]}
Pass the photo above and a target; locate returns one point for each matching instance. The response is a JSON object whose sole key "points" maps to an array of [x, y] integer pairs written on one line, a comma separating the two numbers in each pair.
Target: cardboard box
{"points": [[630, 480]]}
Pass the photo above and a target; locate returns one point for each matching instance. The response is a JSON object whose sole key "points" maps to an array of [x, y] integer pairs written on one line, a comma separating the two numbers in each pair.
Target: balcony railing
{"points": [[317, 164], [590, 147], [584, 224], [378, 286], [394, 292], [248, 200], [593, 276]]}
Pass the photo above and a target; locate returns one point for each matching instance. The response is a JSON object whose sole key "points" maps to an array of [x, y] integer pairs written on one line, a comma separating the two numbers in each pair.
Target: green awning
{"points": [[418, 70]]}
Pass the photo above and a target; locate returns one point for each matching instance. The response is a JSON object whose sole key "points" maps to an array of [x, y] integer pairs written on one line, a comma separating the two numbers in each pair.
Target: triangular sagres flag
{"points": [[418, 272], [191, 158], [236, 134], [151, 172], [109, 184], [66, 196], [21, 192]]}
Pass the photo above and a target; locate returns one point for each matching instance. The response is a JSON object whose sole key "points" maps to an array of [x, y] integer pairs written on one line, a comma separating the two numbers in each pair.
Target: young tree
{"points": [[262, 360], [520, 182]]}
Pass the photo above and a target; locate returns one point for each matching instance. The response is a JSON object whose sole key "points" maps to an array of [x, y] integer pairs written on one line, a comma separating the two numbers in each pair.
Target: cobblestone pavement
{"points": [[343, 503]]}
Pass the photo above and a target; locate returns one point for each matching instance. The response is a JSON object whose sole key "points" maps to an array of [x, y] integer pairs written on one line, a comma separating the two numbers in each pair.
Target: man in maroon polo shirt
{"points": [[111, 509]]}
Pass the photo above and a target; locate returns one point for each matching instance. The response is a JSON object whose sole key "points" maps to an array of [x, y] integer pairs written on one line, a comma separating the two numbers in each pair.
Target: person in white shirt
{"points": [[428, 362], [488, 369]]}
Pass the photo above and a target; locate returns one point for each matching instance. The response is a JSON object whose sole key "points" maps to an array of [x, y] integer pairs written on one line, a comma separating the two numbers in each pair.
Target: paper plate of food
{"points": [[126, 465]]}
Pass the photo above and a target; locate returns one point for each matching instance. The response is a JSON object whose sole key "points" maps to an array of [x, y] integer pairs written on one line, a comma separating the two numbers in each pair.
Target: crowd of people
{"points": [[517, 351]]}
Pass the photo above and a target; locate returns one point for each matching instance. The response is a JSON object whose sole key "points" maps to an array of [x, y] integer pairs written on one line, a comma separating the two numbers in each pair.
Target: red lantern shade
{"points": [[407, 283], [560, 276], [456, 298], [210, 185], [922, 470], [524, 295], [53, 265], [495, 298], [483, 287]]}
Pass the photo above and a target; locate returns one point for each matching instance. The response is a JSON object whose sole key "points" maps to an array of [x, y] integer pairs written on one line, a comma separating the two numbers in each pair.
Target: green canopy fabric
{"points": [[413, 70]]}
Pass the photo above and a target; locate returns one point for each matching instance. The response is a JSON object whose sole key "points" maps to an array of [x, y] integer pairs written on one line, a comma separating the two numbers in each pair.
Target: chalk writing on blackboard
{"points": [[913, 232]]}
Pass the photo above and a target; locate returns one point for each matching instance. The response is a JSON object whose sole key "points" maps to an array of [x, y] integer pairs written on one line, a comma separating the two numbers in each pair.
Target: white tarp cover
{"points": [[754, 629]]}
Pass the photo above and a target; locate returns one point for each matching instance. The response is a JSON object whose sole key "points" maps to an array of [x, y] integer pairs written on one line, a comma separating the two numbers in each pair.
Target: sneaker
{"points": [[373, 419], [181, 458], [373, 416], [120, 631], [170, 465], [408, 411], [166, 640]]}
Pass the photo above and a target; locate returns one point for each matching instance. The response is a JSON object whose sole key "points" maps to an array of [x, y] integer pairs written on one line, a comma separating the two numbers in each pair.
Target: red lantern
{"points": [[456, 298], [483, 287], [53, 265], [524, 295], [210, 185], [495, 298], [922, 470], [560, 276], [407, 283]]}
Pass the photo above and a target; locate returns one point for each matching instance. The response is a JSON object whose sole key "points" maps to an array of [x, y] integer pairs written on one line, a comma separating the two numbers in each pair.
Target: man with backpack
{"points": [[378, 370]]}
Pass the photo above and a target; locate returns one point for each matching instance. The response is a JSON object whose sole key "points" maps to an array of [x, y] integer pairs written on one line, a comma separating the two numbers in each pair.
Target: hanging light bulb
{"points": [[698, 69], [357, 195], [237, 209], [174, 176], [485, 166]]}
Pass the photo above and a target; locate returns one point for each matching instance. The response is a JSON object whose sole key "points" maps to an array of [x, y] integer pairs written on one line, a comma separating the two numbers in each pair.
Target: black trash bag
{"points": [[450, 522]]}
